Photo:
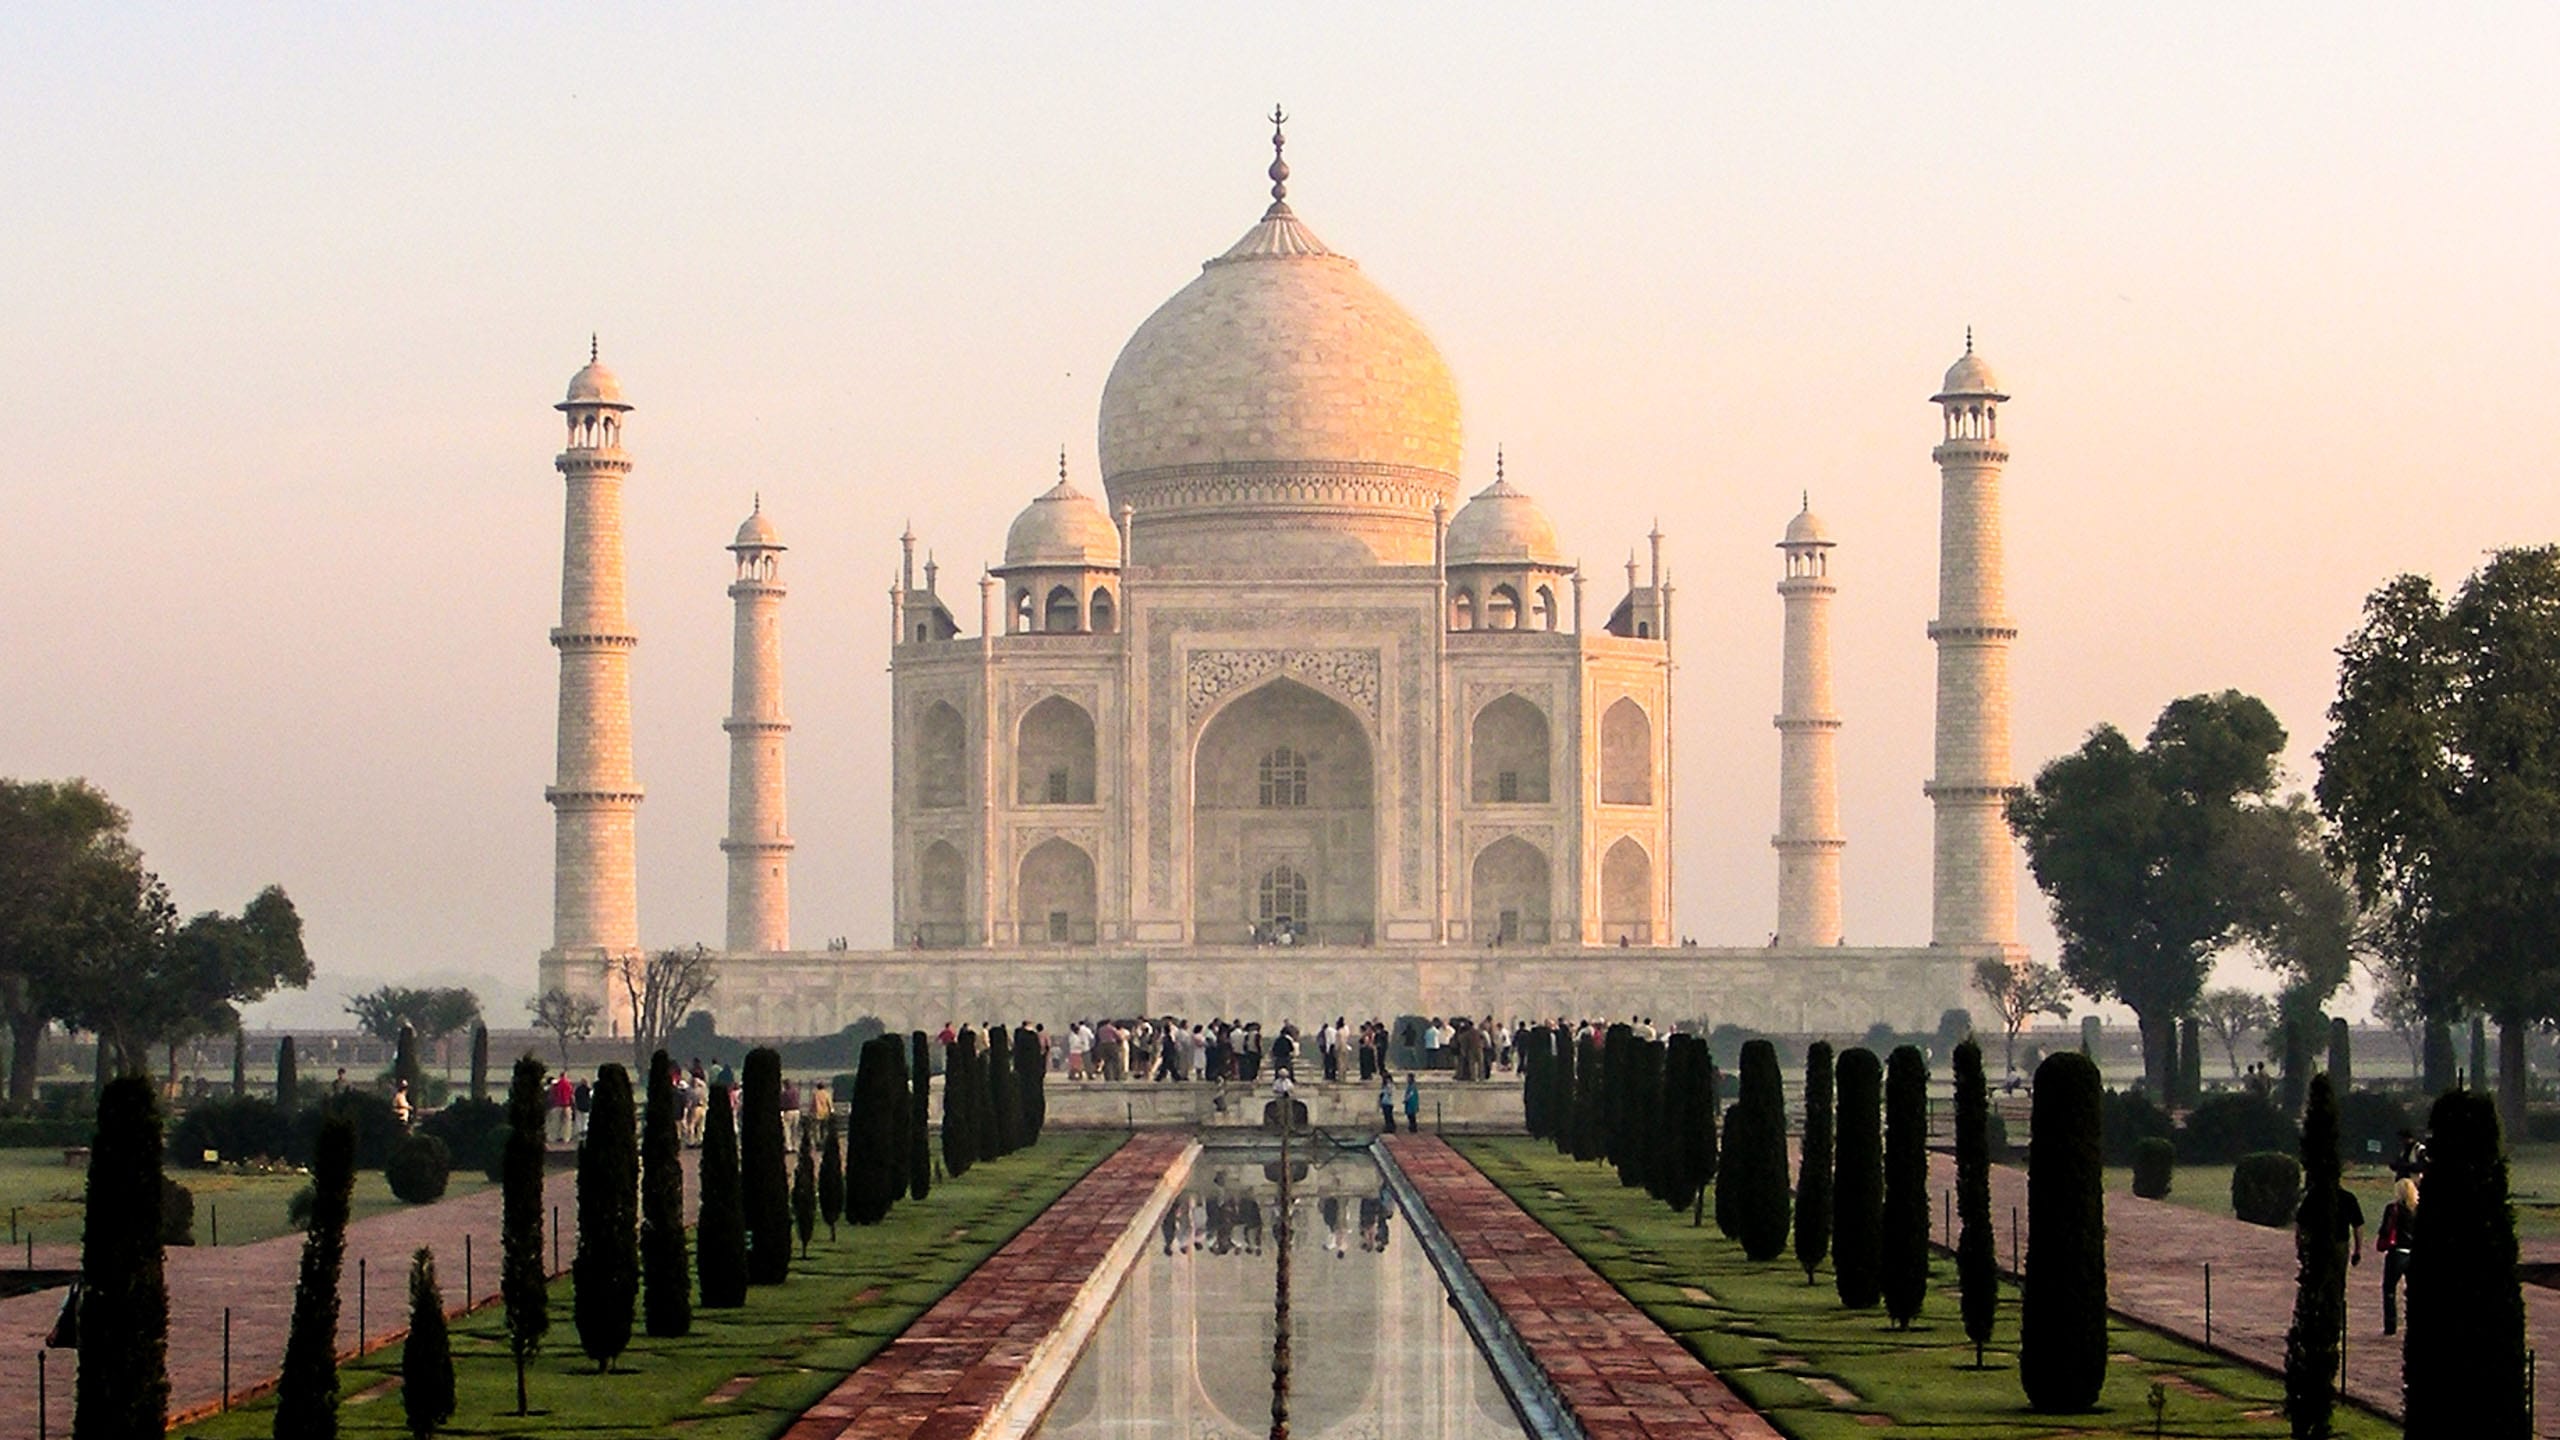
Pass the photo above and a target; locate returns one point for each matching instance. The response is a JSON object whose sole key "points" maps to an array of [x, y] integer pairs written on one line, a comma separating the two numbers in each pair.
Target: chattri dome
{"points": [[594, 385], [1062, 527], [1969, 377], [757, 532], [1807, 528], [1502, 525]]}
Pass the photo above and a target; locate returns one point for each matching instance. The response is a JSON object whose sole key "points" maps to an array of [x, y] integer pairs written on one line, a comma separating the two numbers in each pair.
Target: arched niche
{"points": [[1626, 755], [1509, 894], [1283, 775], [1062, 613], [1106, 616], [1626, 894], [1542, 608], [1507, 753], [1053, 898], [1053, 754], [1502, 608], [942, 896], [941, 758], [1462, 610]]}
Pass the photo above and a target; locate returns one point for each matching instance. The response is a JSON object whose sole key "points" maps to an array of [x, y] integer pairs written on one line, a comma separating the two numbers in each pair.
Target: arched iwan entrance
{"points": [[1282, 777], [1054, 761], [942, 897], [1626, 894], [1508, 894], [1054, 898]]}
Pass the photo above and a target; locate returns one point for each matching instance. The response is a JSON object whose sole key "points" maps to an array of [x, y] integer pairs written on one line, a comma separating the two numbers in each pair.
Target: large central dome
{"points": [[1280, 409]]}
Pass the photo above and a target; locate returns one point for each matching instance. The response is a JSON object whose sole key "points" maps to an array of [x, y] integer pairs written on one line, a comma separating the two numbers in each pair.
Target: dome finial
{"points": [[1497, 462], [1062, 464], [591, 347], [1968, 339], [758, 508], [1807, 506], [1279, 167]]}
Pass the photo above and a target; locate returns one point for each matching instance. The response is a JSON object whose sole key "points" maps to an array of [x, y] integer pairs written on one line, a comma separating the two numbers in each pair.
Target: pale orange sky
{"points": [[289, 302]]}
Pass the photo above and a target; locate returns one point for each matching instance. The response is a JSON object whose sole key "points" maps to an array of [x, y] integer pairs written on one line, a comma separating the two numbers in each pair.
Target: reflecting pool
{"points": [[1376, 1349]]}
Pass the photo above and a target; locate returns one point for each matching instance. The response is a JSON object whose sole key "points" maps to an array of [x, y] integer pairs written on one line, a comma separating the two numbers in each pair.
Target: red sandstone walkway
{"points": [[1621, 1374], [2156, 1254], [255, 1283], [939, 1379]]}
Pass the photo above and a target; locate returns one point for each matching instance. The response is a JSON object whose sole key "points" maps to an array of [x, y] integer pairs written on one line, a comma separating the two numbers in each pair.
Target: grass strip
{"points": [[742, 1374], [1824, 1373]]}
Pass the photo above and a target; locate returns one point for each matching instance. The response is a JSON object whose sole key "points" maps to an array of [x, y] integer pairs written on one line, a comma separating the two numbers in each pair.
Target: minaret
{"points": [[759, 840], [1974, 875], [1808, 839], [595, 894]]}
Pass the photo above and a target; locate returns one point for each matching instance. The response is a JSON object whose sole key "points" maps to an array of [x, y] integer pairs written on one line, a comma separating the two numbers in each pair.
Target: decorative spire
{"points": [[759, 505], [1279, 167], [591, 347], [1497, 462], [1968, 339], [1062, 464], [1808, 502]]}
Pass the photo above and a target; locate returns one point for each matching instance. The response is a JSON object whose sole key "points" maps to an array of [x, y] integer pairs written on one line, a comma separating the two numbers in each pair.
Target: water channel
{"points": [[1376, 1348]]}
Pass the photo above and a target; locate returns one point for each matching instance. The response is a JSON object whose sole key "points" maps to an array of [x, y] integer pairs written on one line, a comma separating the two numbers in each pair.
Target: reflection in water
{"points": [[1376, 1349]]}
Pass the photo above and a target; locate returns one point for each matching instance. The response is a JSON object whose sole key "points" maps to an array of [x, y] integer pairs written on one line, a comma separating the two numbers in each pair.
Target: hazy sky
{"points": [[289, 293]]}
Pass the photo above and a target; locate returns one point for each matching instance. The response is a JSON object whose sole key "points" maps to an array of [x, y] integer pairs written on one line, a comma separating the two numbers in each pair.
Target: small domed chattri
{"points": [[594, 384], [1969, 376], [757, 532]]}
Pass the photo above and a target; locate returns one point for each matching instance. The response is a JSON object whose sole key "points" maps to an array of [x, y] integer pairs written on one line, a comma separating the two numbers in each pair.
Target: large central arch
{"points": [[1282, 777]]}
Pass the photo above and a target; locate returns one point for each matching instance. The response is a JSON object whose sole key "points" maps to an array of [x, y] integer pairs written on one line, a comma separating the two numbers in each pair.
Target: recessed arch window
{"points": [[1063, 612], [1281, 896], [1282, 779]]}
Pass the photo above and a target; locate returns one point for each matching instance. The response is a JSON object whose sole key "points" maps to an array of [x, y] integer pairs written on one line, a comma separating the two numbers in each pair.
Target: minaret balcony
{"points": [[1970, 452], [754, 725], [575, 797], [567, 639], [1994, 630]]}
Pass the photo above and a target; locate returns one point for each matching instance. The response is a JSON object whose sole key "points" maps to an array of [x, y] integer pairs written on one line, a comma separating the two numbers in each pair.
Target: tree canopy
{"points": [[433, 1012]]}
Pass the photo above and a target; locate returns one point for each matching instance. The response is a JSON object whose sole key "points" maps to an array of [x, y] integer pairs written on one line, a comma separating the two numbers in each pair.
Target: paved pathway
{"points": [[941, 1377], [255, 1284], [1624, 1377], [2156, 1257]]}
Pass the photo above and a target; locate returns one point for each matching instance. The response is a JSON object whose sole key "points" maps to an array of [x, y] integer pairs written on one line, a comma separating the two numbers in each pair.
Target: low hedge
{"points": [[245, 1129], [419, 1169], [177, 1213], [2227, 1127], [35, 1132], [2127, 1118], [474, 1132], [2266, 1188], [2155, 1161]]}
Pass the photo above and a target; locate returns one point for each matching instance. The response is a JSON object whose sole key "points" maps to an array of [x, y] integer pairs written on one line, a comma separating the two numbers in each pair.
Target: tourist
{"points": [[1251, 1053], [1284, 1051], [401, 1109], [581, 1100], [563, 1094], [1079, 1044], [1412, 1104], [1387, 1106], [339, 1085], [2395, 1238], [2412, 1159]]}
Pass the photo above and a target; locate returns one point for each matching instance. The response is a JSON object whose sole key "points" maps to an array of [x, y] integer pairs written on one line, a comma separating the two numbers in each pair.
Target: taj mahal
{"points": [[1283, 723]]}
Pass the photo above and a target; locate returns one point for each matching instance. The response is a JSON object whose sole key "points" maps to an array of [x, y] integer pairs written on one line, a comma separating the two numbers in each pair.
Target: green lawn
{"points": [[46, 1194], [742, 1374], [1824, 1373]]}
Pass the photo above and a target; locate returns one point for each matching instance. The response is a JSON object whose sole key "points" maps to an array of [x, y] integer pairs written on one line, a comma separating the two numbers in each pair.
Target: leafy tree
{"points": [[2018, 994], [2439, 1070], [2232, 1015], [663, 987], [2441, 778], [607, 1268], [2320, 1277], [2142, 854], [288, 1074], [1759, 1154], [426, 1356], [434, 1012], [919, 1115], [2463, 1364], [1813, 1175], [568, 1017], [2062, 1322], [68, 878], [1857, 1188], [522, 1281], [1906, 1184], [1977, 1255], [123, 1386], [307, 1394], [831, 1179], [959, 1127], [665, 1282], [764, 1172], [156, 982], [720, 1230]]}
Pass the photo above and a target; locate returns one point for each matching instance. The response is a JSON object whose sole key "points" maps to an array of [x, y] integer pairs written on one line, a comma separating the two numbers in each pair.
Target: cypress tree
{"points": [[288, 1076], [872, 1183], [2463, 1365], [1033, 1053], [2295, 1036], [804, 1189], [2480, 1076], [1857, 1187], [764, 1170], [1702, 1117], [2062, 1321], [2342, 1073], [404, 1063], [1977, 1253], [959, 1127], [1906, 1184], [522, 1281], [920, 1117], [123, 1387], [2190, 1064], [1560, 1090], [607, 1266], [307, 1392], [479, 1062], [2320, 1276], [2439, 1057], [1617, 1068], [1587, 1137], [1760, 1210], [1674, 1179], [2170, 1068], [720, 1226], [426, 1357], [1813, 1176], [992, 1105], [666, 1280], [1729, 1175], [239, 1063], [894, 1091], [831, 1179], [1533, 1079]]}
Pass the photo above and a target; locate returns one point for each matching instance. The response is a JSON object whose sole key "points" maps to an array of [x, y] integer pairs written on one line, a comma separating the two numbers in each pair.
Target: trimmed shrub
{"points": [[1813, 1175], [2228, 1126], [992, 1105], [2130, 1116], [298, 1207], [1031, 1074], [177, 1213], [419, 1169], [523, 1282], [2463, 1365], [2062, 1322], [959, 1127], [874, 1124], [288, 1075], [1857, 1188], [720, 1226], [666, 1287], [1759, 1153], [426, 1356], [764, 1170], [479, 1075], [474, 1133], [1906, 1184], [2155, 1162], [404, 1061], [831, 1178], [378, 1131], [249, 1129], [919, 1117], [2320, 1276], [1977, 1257], [123, 1385], [607, 1267], [307, 1392], [2266, 1188]]}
